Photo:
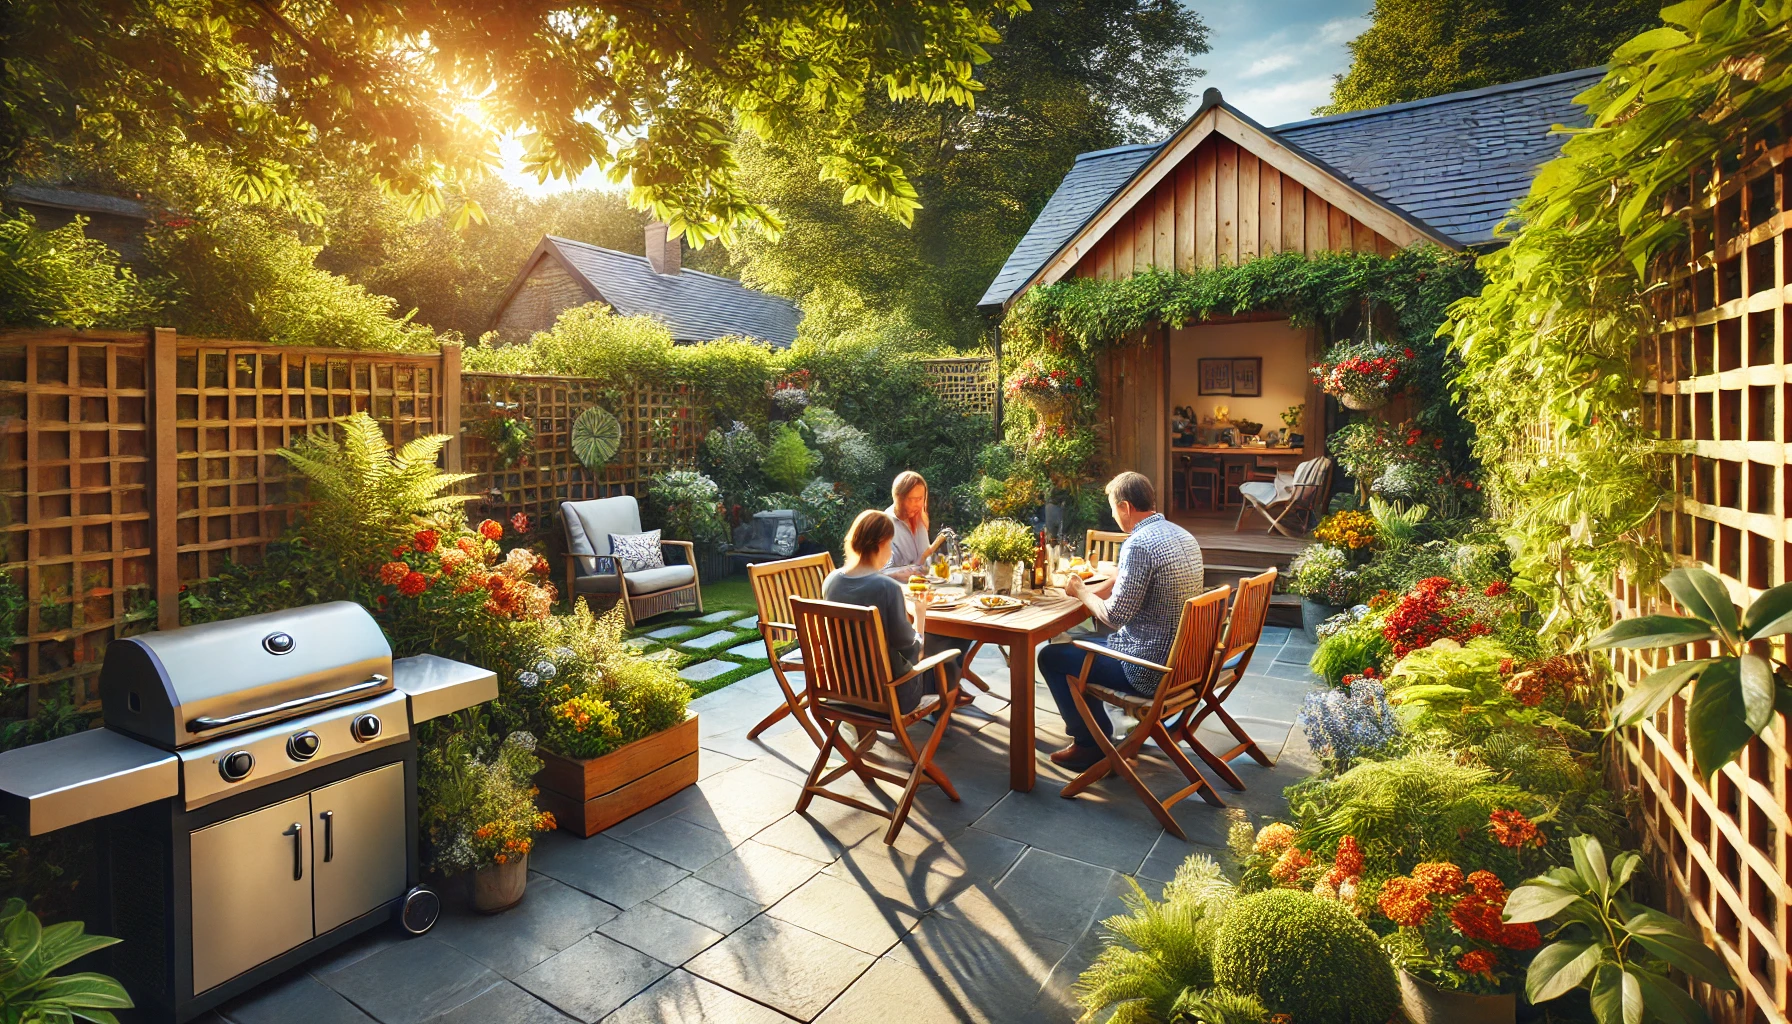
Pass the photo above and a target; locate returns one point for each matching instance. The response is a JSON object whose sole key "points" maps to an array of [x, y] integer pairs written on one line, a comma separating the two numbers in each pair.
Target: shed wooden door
{"points": [[1133, 408]]}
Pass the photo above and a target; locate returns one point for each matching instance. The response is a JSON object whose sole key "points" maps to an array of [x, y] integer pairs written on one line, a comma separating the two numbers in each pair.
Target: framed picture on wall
{"points": [[1216, 376], [1247, 377]]}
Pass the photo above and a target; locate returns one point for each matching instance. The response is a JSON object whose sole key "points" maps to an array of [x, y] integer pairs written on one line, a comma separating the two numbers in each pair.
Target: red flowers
{"points": [[425, 541], [1429, 613], [491, 529], [1405, 902], [519, 523], [1442, 878], [392, 572], [414, 583], [1510, 828], [1478, 961], [1498, 588], [1347, 865]]}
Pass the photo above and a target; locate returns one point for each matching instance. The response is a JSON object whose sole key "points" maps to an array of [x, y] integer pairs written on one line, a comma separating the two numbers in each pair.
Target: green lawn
{"points": [[733, 594]]}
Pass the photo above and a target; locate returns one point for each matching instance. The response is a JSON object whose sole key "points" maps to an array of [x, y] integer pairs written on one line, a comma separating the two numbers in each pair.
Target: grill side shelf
{"points": [[438, 686], [47, 786]]}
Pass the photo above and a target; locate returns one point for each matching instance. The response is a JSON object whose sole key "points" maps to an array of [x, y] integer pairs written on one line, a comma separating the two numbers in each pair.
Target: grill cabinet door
{"points": [[248, 906], [358, 844]]}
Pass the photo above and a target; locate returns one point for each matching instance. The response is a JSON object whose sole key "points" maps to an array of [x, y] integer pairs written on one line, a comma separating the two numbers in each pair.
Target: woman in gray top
{"points": [[860, 582], [910, 549]]}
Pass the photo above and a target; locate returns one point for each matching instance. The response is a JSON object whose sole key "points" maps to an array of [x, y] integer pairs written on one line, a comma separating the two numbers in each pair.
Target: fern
{"points": [[1160, 952], [1396, 526], [1216, 1006], [1408, 809], [365, 495]]}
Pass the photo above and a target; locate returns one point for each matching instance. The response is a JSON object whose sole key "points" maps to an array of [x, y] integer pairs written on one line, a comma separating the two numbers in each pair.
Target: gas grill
{"points": [[258, 783]]}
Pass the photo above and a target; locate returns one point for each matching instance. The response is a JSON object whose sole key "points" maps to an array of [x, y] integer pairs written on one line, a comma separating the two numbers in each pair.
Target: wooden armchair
{"points": [[1181, 686], [846, 662], [1244, 627], [774, 585], [592, 573], [1103, 546], [1299, 497]]}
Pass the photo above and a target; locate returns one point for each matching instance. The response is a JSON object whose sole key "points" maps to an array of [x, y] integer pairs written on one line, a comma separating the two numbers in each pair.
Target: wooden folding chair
{"points": [[774, 585], [1302, 498], [846, 662], [1244, 627], [1180, 686], [1103, 546]]}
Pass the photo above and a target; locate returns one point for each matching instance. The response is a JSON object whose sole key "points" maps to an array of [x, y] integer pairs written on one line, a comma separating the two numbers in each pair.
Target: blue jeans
{"points": [[1058, 663]]}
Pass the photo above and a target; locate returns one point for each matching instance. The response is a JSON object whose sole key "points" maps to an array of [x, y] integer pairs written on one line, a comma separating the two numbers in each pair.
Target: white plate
{"points": [[1003, 603]]}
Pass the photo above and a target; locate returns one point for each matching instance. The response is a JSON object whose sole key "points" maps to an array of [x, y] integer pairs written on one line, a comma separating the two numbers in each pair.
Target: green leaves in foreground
{"points": [[1734, 693], [1618, 950], [29, 952]]}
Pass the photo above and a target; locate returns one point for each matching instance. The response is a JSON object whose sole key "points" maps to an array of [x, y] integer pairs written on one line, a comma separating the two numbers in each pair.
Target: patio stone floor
{"points": [[723, 905]]}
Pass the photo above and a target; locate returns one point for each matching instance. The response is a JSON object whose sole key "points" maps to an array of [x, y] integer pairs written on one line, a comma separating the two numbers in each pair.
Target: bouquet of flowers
{"points": [[1362, 374]]}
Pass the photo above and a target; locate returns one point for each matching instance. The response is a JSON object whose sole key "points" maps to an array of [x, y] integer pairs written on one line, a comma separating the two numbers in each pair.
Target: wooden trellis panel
{"points": [[1717, 370], [236, 404], [75, 481], [968, 384], [660, 430]]}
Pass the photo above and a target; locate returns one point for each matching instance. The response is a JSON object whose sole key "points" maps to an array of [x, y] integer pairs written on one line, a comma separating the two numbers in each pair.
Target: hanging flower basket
{"points": [[1363, 375], [1050, 393]]}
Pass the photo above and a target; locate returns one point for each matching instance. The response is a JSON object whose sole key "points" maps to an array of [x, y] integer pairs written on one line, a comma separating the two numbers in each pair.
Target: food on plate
{"points": [[996, 601], [917, 584]]}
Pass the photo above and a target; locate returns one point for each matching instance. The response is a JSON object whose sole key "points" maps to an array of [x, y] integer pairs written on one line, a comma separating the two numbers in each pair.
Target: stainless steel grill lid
{"points": [[195, 684]]}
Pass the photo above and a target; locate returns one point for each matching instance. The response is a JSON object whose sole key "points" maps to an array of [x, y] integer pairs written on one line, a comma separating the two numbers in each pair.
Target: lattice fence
{"points": [[660, 430], [968, 383], [1719, 367]]}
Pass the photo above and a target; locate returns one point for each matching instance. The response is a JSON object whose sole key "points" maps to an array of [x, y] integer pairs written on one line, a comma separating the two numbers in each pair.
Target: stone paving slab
{"points": [[724, 614], [593, 977], [410, 982], [668, 632], [788, 968], [640, 642], [687, 999], [679, 841], [847, 913], [702, 670], [505, 1002], [551, 917], [708, 904], [708, 640], [750, 649], [661, 934], [759, 872], [750, 622], [614, 872], [294, 998]]}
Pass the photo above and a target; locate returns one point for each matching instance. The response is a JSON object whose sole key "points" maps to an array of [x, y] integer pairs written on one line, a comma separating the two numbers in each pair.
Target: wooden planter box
{"points": [[586, 797]]}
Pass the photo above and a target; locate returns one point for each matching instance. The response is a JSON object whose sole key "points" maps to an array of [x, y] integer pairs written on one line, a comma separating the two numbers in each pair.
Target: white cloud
{"points": [[1264, 65]]}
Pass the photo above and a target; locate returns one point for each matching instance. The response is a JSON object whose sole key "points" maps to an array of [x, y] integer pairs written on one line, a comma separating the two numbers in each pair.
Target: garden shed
{"points": [[1224, 190]]}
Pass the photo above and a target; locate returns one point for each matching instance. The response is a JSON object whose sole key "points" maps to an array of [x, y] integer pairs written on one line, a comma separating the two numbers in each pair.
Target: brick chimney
{"points": [[664, 255]]}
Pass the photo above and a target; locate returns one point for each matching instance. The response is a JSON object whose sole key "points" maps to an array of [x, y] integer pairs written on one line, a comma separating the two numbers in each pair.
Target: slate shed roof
{"points": [[695, 306], [1456, 163], [80, 202]]}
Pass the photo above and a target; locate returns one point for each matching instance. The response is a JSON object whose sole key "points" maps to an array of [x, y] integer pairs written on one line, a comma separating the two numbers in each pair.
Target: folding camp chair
{"points": [[774, 584], [1181, 685], [1299, 496], [846, 662], [1244, 627]]}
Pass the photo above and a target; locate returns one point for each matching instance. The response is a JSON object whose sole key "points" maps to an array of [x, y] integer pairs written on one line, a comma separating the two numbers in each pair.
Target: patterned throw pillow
{"points": [[637, 551]]}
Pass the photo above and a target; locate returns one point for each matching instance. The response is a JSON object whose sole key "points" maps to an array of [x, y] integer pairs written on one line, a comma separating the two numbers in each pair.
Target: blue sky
{"points": [[1274, 59]]}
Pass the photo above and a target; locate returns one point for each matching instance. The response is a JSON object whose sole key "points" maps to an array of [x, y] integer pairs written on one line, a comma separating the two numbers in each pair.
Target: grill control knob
{"points": [[364, 727], [236, 765], [302, 746]]}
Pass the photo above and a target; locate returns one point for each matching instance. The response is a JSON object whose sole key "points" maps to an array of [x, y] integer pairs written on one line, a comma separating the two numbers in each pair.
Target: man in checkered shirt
{"points": [[1160, 569]]}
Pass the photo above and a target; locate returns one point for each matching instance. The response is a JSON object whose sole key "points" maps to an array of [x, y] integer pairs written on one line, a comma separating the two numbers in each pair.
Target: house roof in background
{"points": [[80, 202], [695, 306], [1454, 163]]}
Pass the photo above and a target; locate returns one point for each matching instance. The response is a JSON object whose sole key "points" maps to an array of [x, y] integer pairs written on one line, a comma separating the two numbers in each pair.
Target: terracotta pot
{"points": [[1363, 403], [499, 887], [1001, 577], [1425, 1003], [1313, 615]]}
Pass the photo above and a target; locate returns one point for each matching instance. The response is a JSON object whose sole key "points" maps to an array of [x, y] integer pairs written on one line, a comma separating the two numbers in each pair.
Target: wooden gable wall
{"points": [[1224, 205]]}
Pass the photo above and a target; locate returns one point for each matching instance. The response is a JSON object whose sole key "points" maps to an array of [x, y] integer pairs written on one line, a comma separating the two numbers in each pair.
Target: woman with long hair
{"points": [[908, 508], [859, 581]]}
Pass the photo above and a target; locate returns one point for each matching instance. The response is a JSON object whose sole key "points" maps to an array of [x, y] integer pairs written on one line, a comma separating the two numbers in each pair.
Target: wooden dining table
{"points": [[1046, 614]]}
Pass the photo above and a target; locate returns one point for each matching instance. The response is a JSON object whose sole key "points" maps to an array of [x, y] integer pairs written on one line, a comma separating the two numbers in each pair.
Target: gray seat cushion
{"points": [[589, 525], [647, 581]]}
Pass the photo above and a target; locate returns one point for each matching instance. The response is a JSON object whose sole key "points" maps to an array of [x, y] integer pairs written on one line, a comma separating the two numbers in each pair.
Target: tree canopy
{"points": [[1419, 48], [1071, 76], [422, 92]]}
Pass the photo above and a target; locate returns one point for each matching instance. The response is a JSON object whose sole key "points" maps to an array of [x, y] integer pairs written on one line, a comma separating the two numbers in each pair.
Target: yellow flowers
{"points": [[1350, 529]]}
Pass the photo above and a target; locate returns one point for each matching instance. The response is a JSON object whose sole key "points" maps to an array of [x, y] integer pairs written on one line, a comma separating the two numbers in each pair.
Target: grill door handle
{"points": [[297, 832], [205, 722], [329, 818]]}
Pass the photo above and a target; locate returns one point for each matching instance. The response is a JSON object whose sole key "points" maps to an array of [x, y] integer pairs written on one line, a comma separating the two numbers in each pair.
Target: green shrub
{"points": [[687, 505], [62, 278], [1351, 649], [788, 461], [647, 695], [1304, 956]]}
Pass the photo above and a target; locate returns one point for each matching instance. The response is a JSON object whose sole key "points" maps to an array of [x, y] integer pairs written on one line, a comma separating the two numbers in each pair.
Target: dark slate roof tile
{"points": [[695, 306]]}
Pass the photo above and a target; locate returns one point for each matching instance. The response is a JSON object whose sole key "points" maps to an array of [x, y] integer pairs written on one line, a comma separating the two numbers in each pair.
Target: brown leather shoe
{"points": [[1077, 758]]}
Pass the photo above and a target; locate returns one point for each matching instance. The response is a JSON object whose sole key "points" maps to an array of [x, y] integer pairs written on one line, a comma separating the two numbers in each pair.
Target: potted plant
{"points": [[30, 952], [1453, 950], [1327, 582], [480, 814], [1362, 374], [623, 743], [1002, 544], [690, 508], [1291, 418]]}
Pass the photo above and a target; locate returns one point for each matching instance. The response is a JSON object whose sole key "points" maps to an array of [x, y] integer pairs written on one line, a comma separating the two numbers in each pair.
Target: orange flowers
{"points": [[1405, 901], [1478, 961], [1442, 878], [1275, 837], [425, 541], [1347, 865], [413, 584], [1513, 829], [393, 572], [1288, 867], [491, 529]]}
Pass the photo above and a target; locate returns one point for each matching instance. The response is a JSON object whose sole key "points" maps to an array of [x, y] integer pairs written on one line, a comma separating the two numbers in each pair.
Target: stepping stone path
{"points": [[720, 616], [751, 649], [669, 632], [709, 640], [705, 670], [750, 622], [667, 654], [639, 642]]}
